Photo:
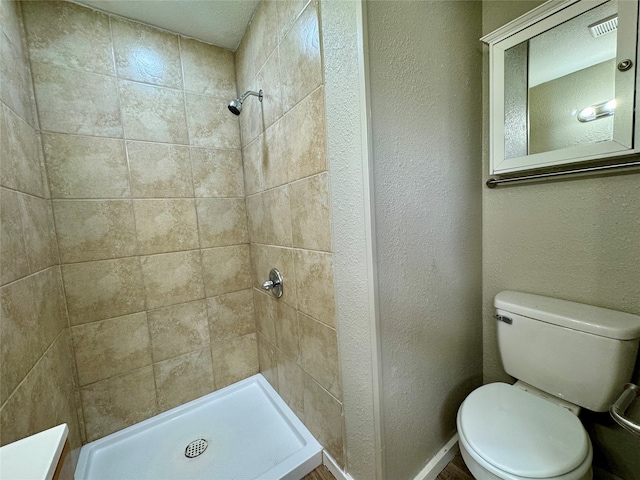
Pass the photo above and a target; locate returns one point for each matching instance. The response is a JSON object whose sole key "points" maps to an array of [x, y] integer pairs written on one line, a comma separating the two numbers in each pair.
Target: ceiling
{"points": [[219, 22]]}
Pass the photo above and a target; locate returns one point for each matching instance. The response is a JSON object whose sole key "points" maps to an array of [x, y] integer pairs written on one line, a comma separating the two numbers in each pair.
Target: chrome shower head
{"points": [[235, 106]]}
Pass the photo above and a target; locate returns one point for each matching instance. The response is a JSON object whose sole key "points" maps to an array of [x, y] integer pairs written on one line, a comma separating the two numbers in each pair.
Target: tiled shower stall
{"points": [[140, 217]]}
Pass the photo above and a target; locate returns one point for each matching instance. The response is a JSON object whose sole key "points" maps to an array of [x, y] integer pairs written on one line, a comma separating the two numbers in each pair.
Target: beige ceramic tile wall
{"points": [[284, 153], [38, 388], [148, 199]]}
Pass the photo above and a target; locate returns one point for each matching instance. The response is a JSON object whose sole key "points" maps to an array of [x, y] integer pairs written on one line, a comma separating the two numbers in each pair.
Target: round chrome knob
{"points": [[274, 283]]}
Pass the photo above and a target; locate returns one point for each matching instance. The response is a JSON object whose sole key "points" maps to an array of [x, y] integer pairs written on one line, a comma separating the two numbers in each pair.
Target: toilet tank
{"points": [[579, 353]]}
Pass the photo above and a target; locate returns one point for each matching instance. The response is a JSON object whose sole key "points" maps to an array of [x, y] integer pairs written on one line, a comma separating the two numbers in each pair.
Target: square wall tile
{"points": [[49, 303], [266, 310], [263, 33], [319, 354], [226, 269], [182, 379], [276, 162], [306, 151], [257, 218], [270, 217], [211, 124], [291, 383], [105, 289], [146, 54], [85, 167], [323, 418], [277, 213], [22, 343], [16, 89], [222, 221], [166, 225], [252, 156], [287, 331], [268, 80], [245, 70], [231, 315], [94, 230], [32, 318], [14, 263], [19, 154], [314, 285], [68, 35], [118, 402], [39, 232], [178, 329], [234, 360], [208, 69], [153, 113], [110, 347], [252, 119], [300, 63], [34, 405], [64, 394], [70, 101], [288, 12], [11, 20], [310, 220], [217, 172], [172, 278], [268, 361], [159, 170]]}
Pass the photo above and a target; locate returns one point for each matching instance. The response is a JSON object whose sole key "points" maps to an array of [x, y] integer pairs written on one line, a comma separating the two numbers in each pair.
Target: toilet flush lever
{"points": [[502, 318], [274, 283]]}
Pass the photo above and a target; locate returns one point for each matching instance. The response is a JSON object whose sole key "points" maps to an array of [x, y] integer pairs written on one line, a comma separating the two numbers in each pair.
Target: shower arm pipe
{"points": [[494, 182], [251, 92]]}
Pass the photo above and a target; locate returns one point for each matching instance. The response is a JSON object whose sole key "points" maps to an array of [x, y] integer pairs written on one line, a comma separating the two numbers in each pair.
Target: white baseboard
{"points": [[334, 468], [432, 469], [429, 472]]}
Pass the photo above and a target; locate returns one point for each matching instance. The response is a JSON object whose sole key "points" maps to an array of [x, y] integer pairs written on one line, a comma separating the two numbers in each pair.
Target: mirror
{"points": [[563, 85]]}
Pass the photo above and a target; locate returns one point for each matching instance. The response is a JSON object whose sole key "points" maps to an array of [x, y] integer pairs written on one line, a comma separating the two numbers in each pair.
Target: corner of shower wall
{"points": [[287, 196], [39, 382]]}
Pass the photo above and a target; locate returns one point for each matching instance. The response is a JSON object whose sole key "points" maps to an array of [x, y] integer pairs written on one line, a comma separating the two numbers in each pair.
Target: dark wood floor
{"points": [[320, 473], [456, 470]]}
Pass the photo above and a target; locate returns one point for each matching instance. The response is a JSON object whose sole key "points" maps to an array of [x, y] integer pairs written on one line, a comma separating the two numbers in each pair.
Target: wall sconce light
{"points": [[594, 112]]}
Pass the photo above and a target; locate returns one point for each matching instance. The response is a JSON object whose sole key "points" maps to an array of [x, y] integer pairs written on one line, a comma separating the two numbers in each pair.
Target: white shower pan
{"points": [[242, 432]]}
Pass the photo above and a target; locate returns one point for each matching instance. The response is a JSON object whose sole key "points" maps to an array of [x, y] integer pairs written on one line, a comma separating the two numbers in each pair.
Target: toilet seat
{"points": [[519, 435]]}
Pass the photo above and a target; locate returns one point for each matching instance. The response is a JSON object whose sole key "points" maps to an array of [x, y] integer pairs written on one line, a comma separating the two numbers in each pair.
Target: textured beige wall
{"points": [[345, 70], [426, 106], [286, 182], [576, 239], [38, 389], [145, 173]]}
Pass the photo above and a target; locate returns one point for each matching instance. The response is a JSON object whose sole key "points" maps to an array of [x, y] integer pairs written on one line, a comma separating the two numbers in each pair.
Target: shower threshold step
{"points": [[242, 432]]}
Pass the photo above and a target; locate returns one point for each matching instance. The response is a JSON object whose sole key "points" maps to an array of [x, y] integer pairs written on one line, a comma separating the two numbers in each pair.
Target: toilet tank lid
{"points": [[577, 316]]}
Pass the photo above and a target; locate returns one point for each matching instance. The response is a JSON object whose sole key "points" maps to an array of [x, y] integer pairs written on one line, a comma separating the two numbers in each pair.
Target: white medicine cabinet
{"points": [[563, 86]]}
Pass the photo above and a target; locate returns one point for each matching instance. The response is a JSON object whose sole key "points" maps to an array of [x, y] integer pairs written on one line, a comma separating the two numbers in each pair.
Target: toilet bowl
{"points": [[508, 433], [565, 356]]}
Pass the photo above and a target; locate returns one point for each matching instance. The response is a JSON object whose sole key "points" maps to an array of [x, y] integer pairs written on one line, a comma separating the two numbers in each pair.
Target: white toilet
{"points": [[570, 355]]}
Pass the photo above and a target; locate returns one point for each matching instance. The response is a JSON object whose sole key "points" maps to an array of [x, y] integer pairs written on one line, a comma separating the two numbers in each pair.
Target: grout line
{"points": [[40, 359]]}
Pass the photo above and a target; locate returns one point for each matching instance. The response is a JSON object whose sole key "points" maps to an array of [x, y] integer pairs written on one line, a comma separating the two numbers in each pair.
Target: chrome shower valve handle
{"points": [[274, 283]]}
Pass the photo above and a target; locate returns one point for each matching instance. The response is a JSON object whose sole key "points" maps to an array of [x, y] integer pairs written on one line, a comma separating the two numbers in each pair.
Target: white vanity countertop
{"points": [[35, 457]]}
